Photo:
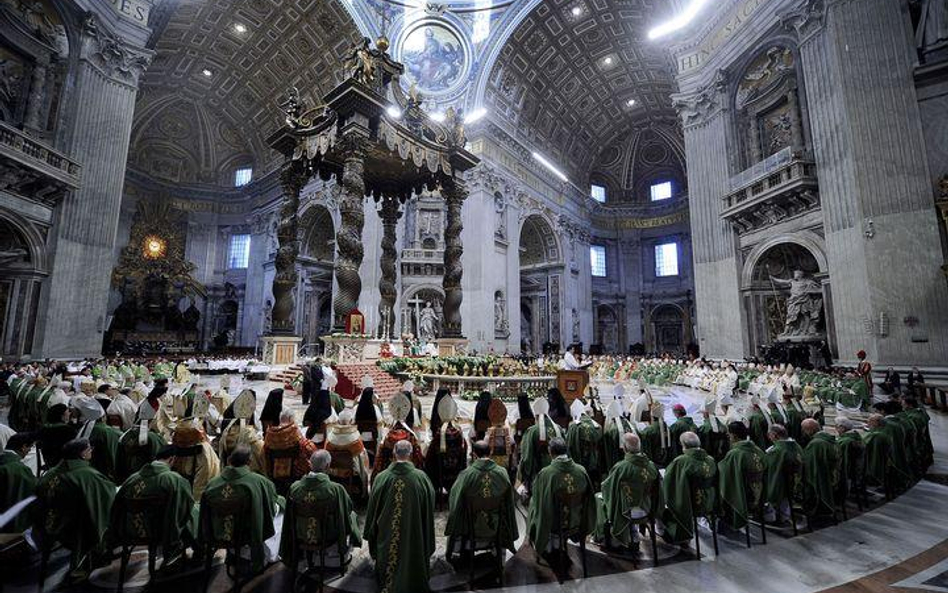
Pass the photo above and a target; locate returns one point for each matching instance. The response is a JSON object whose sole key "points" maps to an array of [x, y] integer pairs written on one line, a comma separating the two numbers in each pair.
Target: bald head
{"points": [[810, 427], [402, 451], [631, 443], [320, 460], [690, 440]]}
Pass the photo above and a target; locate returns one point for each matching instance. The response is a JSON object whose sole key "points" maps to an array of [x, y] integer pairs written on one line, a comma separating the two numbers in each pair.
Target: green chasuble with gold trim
{"points": [[563, 474], [629, 485], [652, 444], [716, 443], [820, 474], [313, 488], [76, 499], [105, 442], [484, 479], [263, 500], [179, 514], [744, 458], [584, 442], [16, 483], [693, 464], [399, 528], [777, 457], [533, 457]]}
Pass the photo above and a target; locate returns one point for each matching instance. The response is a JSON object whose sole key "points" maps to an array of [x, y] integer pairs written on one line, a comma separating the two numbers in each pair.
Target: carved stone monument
{"points": [[804, 308]]}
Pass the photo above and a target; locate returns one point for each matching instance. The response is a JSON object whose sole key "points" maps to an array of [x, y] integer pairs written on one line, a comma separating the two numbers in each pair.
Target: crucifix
{"points": [[417, 302]]}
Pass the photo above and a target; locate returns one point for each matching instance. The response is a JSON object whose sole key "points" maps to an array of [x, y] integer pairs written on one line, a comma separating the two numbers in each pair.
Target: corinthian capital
{"points": [[116, 58]]}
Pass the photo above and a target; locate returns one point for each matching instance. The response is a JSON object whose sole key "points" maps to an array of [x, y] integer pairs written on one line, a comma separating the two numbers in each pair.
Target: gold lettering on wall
{"points": [[715, 39]]}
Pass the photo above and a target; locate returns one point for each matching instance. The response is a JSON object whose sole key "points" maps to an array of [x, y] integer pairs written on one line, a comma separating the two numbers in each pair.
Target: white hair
{"points": [[631, 443], [690, 440], [320, 460], [402, 450]]}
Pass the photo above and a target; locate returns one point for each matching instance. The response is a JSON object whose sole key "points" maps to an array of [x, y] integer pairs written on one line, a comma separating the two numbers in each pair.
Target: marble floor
{"points": [[901, 545]]}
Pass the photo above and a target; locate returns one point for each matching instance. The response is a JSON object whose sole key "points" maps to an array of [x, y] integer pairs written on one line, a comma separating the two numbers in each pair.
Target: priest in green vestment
{"points": [[783, 454], [139, 444], [629, 488], [760, 423], [655, 438], [73, 502], [615, 429], [820, 470], [179, 514], [713, 433], [399, 525], [744, 458], [694, 464], [683, 423], [852, 454], [263, 501], [17, 481], [534, 447], [103, 438], [317, 487], [584, 440], [482, 479], [882, 469], [923, 439], [563, 475], [902, 451]]}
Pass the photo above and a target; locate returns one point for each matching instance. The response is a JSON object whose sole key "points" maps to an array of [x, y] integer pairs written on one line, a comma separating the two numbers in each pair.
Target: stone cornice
{"points": [[113, 56]]}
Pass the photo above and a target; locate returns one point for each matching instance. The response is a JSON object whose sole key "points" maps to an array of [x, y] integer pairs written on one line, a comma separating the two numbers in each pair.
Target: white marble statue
{"points": [[428, 323], [804, 305]]}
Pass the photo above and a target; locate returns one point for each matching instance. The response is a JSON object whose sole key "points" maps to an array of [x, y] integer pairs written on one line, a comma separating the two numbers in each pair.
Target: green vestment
{"points": [[758, 428], [612, 452], [680, 427], [16, 483], [399, 528], [131, 456], [901, 455], [715, 443], [923, 438], [105, 442], [313, 488], [693, 464], [584, 442], [744, 458], [778, 456], [263, 499], [178, 511], [562, 475], [852, 458], [629, 485], [820, 474], [534, 454], [652, 444], [75, 500], [794, 420], [484, 479]]}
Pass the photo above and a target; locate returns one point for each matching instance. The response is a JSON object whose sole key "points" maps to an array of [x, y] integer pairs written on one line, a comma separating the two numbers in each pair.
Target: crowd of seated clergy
{"points": [[100, 452]]}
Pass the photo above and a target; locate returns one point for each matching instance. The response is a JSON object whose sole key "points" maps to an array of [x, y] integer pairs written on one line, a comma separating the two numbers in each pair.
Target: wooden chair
{"points": [[477, 505], [286, 456], [639, 517], [698, 487], [147, 516], [568, 503], [232, 511], [754, 483], [320, 514]]}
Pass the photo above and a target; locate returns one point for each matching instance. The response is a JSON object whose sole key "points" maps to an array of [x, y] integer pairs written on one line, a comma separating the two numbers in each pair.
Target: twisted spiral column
{"points": [[454, 193], [285, 279], [349, 251], [390, 214]]}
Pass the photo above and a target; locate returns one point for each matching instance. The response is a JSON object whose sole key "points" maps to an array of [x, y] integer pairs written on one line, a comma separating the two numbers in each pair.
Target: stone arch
{"points": [[538, 243], [607, 328], [318, 234], [808, 240], [668, 328], [20, 234], [413, 299]]}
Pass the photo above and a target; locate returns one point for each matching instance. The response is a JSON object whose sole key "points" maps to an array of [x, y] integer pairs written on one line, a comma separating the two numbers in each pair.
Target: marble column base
{"points": [[280, 350]]}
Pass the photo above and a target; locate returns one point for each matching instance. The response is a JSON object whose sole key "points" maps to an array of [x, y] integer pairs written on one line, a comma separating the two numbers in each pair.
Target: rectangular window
{"points": [[242, 176], [666, 259], [597, 260], [238, 256], [598, 193], [661, 191]]}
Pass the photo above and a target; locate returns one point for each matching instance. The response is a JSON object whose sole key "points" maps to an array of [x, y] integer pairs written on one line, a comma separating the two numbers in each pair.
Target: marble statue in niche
{"points": [[428, 322], [804, 305], [501, 327], [500, 207]]}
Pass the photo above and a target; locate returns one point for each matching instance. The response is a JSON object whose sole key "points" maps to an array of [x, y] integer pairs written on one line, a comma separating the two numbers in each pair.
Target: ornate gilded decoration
{"points": [[396, 530], [154, 247]]}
